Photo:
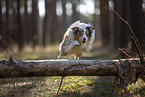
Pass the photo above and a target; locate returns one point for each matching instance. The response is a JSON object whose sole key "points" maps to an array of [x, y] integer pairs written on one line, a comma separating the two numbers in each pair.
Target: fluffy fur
{"points": [[78, 38]]}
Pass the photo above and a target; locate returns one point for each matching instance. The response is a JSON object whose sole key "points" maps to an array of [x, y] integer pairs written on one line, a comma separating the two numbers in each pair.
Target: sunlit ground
{"points": [[78, 86], [52, 52], [28, 53]]}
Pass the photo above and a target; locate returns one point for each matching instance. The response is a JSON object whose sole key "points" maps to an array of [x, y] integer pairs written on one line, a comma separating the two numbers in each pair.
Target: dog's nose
{"points": [[84, 40]]}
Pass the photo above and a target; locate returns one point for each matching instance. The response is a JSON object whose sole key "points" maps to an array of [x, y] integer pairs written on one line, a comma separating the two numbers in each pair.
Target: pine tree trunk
{"points": [[117, 21], [34, 23], [64, 16], [105, 31], [2, 30], [75, 13], [45, 23], [125, 32], [19, 27], [137, 20], [53, 23]]}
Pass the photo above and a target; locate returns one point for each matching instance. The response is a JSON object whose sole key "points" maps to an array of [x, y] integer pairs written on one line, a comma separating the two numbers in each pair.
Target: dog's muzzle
{"points": [[84, 40]]}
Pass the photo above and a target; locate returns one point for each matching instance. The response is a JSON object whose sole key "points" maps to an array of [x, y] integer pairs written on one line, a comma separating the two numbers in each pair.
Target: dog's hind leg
{"points": [[77, 56]]}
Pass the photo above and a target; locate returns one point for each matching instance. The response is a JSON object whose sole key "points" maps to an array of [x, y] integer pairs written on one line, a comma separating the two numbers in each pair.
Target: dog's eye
{"points": [[87, 33], [81, 33]]}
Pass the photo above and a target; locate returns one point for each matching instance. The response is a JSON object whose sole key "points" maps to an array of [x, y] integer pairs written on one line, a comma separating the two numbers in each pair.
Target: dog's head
{"points": [[82, 34]]}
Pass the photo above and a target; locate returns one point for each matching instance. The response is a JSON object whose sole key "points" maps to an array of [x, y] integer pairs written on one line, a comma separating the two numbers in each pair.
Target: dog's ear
{"points": [[75, 30], [90, 29]]}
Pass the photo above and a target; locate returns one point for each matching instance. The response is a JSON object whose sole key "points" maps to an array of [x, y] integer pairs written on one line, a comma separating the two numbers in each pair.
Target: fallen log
{"points": [[31, 68]]}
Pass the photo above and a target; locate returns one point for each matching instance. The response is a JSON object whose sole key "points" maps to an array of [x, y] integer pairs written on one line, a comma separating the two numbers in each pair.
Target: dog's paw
{"points": [[76, 42], [59, 57]]}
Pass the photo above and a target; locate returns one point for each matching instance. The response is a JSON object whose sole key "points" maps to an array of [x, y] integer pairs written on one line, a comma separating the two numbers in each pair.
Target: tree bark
{"points": [[29, 68], [53, 23], [27, 34], [105, 31], [117, 21], [34, 18], [45, 23], [64, 16], [137, 20], [2, 29], [7, 25], [75, 13], [19, 27], [125, 32]]}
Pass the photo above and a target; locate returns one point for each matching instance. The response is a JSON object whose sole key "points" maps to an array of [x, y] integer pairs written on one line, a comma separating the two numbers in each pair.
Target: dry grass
{"points": [[76, 86]]}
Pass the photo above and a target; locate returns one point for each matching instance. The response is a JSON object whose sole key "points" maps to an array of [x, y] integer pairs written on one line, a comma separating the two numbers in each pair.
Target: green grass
{"points": [[76, 84], [72, 86]]}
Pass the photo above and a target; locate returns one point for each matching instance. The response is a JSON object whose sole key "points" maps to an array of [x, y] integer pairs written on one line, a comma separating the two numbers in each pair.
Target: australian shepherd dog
{"points": [[78, 38]]}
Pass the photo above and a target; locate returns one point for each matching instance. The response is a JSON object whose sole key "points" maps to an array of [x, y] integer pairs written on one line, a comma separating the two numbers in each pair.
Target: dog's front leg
{"points": [[72, 44]]}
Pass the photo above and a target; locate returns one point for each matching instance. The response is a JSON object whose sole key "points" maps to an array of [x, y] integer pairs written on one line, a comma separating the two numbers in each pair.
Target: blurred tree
{"points": [[19, 27], [34, 17], [53, 23], [137, 20], [45, 22], [117, 21], [95, 16], [64, 16], [26, 23], [75, 15], [1, 24], [14, 22], [105, 31], [96, 19], [125, 32], [7, 22], [2, 29], [11, 24]]}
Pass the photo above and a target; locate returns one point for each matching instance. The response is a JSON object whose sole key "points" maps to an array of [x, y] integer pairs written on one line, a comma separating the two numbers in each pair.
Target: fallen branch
{"points": [[135, 40], [124, 53], [31, 68]]}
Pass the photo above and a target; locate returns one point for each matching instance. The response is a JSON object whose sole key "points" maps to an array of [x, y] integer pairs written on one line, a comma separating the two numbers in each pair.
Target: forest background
{"points": [[43, 22], [33, 29]]}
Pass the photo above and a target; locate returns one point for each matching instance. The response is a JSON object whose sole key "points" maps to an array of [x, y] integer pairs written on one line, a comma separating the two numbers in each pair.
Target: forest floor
{"points": [[73, 86]]}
